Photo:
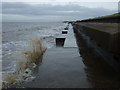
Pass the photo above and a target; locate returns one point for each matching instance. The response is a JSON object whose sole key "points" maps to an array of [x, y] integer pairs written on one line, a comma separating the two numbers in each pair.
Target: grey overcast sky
{"points": [[48, 11]]}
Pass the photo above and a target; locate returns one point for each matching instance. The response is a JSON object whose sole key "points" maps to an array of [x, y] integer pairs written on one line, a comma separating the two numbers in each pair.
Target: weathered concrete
{"points": [[61, 68], [67, 38], [106, 35], [104, 39], [64, 68], [70, 38], [60, 39]]}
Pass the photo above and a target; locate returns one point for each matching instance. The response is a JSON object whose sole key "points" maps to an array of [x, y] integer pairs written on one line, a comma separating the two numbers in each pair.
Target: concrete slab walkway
{"points": [[61, 68], [70, 38]]}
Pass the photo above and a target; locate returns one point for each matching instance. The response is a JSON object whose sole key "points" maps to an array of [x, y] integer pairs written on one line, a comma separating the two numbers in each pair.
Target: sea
{"points": [[16, 37]]}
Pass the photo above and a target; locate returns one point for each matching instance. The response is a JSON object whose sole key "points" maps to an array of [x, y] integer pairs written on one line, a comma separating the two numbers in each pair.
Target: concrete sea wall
{"points": [[107, 36], [104, 37]]}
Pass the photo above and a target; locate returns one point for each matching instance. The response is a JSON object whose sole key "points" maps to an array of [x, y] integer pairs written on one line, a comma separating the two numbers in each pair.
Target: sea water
{"points": [[16, 37]]}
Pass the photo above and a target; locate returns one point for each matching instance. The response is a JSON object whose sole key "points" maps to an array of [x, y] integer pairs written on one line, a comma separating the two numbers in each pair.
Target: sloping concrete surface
{"points": [[61, 68], [106, 35], [70, 38]]}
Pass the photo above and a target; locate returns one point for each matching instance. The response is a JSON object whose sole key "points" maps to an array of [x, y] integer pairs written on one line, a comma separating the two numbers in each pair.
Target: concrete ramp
{"points": [[70, 39]]}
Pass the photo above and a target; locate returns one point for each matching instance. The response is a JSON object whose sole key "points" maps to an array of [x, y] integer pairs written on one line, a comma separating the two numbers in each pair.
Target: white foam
{"points": [[46, 32]]}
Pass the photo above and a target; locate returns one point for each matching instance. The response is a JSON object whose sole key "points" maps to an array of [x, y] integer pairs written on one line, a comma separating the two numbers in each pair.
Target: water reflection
{"points": [[99, 73]]}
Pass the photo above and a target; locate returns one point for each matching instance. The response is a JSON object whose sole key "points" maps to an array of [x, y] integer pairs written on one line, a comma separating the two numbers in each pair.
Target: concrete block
{"points": [[64, 31], [60, 40]]}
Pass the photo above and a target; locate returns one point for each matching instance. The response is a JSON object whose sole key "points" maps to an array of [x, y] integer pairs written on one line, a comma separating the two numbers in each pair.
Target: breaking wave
{"points": [[27, 61], [21, 54]]}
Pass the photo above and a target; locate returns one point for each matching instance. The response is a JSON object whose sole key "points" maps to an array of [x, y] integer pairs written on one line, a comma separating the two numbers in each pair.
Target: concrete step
{"points": [[60, 39], [64, 31]]}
